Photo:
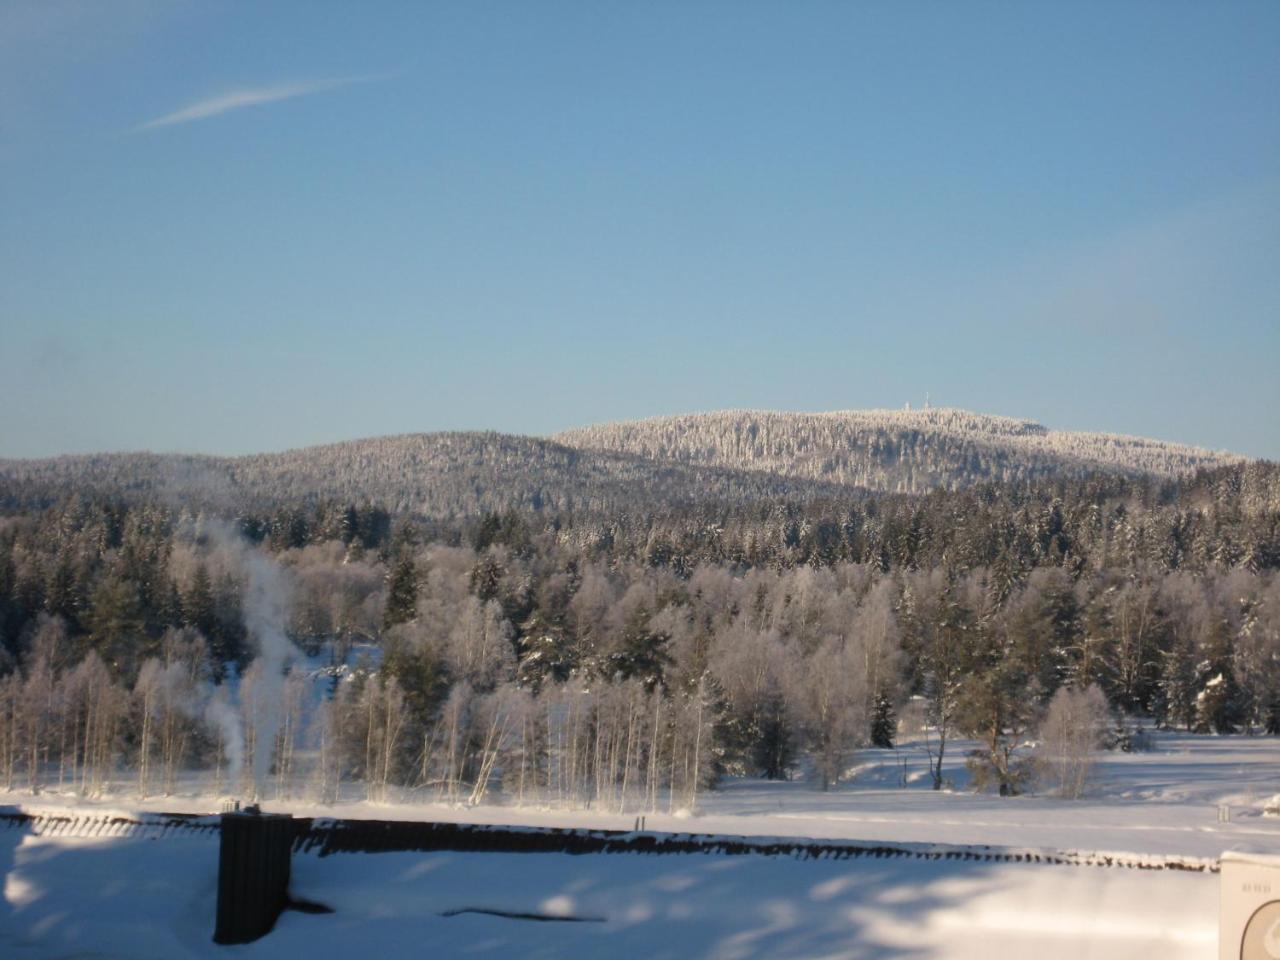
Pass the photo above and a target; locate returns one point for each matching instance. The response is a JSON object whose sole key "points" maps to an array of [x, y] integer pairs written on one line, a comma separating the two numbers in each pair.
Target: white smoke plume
{"points": [[220, 713], [266, 602], [266, 605]]}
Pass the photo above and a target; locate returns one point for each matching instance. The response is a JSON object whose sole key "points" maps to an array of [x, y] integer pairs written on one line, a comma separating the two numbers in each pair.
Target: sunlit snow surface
{"points": [[136, 897]]}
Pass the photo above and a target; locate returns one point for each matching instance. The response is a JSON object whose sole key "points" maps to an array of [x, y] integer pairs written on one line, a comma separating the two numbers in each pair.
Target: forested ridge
{"points": [[626, 656], [438, 475], [724, 458]]}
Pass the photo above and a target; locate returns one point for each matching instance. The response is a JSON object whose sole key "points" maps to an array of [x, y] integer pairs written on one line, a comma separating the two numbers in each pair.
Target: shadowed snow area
{"points": [[154, 898]]}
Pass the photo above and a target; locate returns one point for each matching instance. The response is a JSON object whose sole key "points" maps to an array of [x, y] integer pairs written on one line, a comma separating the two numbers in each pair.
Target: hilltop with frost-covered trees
{"points": [[906, 451]]}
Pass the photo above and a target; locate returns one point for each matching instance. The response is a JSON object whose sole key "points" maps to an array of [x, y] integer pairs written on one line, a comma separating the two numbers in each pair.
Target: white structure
{"points": [[1249, 916]]}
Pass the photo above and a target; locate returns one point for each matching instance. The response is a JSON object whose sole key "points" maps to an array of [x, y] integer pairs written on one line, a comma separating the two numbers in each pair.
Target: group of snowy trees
{"points": [[64, 722], [628, 664], [615, 746], [633, 687]]}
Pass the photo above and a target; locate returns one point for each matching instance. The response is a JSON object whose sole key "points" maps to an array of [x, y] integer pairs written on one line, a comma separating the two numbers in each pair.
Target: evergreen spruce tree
{"points": [[168, 612], [1218, 694], [486, 577], [1176, 702], [642, 653], [60, 595], [115, 622], [402, 592], [1214, 707], [229, 641], [545, 653], [884, 722], [349, 525], [417, 667], [487, 532], [198, 608]]}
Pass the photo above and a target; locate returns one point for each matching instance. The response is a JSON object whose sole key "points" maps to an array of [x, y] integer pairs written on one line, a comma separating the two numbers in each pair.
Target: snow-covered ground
{"points": [[154, 899], [136, 897]]}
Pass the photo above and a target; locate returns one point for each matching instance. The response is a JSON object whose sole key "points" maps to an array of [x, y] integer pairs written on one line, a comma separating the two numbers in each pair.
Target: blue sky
{"points": [[236, 227]]}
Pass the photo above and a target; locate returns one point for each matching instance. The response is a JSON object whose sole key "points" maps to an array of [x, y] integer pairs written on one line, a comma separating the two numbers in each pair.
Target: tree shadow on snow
{"points": [[656, 906]]}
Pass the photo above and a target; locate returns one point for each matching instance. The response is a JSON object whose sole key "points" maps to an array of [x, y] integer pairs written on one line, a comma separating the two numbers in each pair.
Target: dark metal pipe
{"points": [[253, 874]]}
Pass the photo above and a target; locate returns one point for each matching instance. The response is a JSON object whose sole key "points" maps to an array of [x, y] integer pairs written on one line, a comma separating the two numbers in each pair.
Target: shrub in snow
{"points": [[1072, 731], [1127, 737], [1009, 777], [1140, 740]]}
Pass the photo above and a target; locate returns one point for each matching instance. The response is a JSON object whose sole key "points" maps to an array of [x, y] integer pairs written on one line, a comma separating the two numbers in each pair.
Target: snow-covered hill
{"points": [[889, 450], [732, 457]]}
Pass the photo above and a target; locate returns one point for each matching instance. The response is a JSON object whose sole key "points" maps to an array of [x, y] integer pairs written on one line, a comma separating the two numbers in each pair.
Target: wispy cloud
{"points": [[239, 99]]}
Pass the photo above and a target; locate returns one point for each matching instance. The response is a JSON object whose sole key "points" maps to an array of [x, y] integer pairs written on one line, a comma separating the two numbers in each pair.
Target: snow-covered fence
{"points": [[55, 823], [324, 837]]}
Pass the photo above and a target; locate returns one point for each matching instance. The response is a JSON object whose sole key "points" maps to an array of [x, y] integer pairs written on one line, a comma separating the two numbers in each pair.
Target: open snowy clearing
{"points": [[1163, 801]]}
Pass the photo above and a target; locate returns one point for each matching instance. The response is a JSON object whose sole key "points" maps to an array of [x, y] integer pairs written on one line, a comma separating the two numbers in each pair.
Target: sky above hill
{"points": [[239, 227]]}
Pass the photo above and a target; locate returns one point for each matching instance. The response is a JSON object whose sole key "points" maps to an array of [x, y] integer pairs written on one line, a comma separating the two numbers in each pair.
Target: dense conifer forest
{"points": [[619, 656]]}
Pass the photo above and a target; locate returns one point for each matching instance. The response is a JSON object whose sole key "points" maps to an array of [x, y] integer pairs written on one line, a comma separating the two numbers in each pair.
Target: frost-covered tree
{"points": [[828, 696], [1072, 732], [750, 666], [944, 656]]}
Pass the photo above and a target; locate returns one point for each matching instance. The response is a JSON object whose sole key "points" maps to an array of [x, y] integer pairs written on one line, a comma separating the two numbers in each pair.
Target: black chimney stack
{"points": [[253, 874]]}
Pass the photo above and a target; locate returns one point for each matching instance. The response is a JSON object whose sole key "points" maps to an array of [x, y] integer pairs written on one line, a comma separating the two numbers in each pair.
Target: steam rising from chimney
{"points": [[266, 605], [266, 612]]}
